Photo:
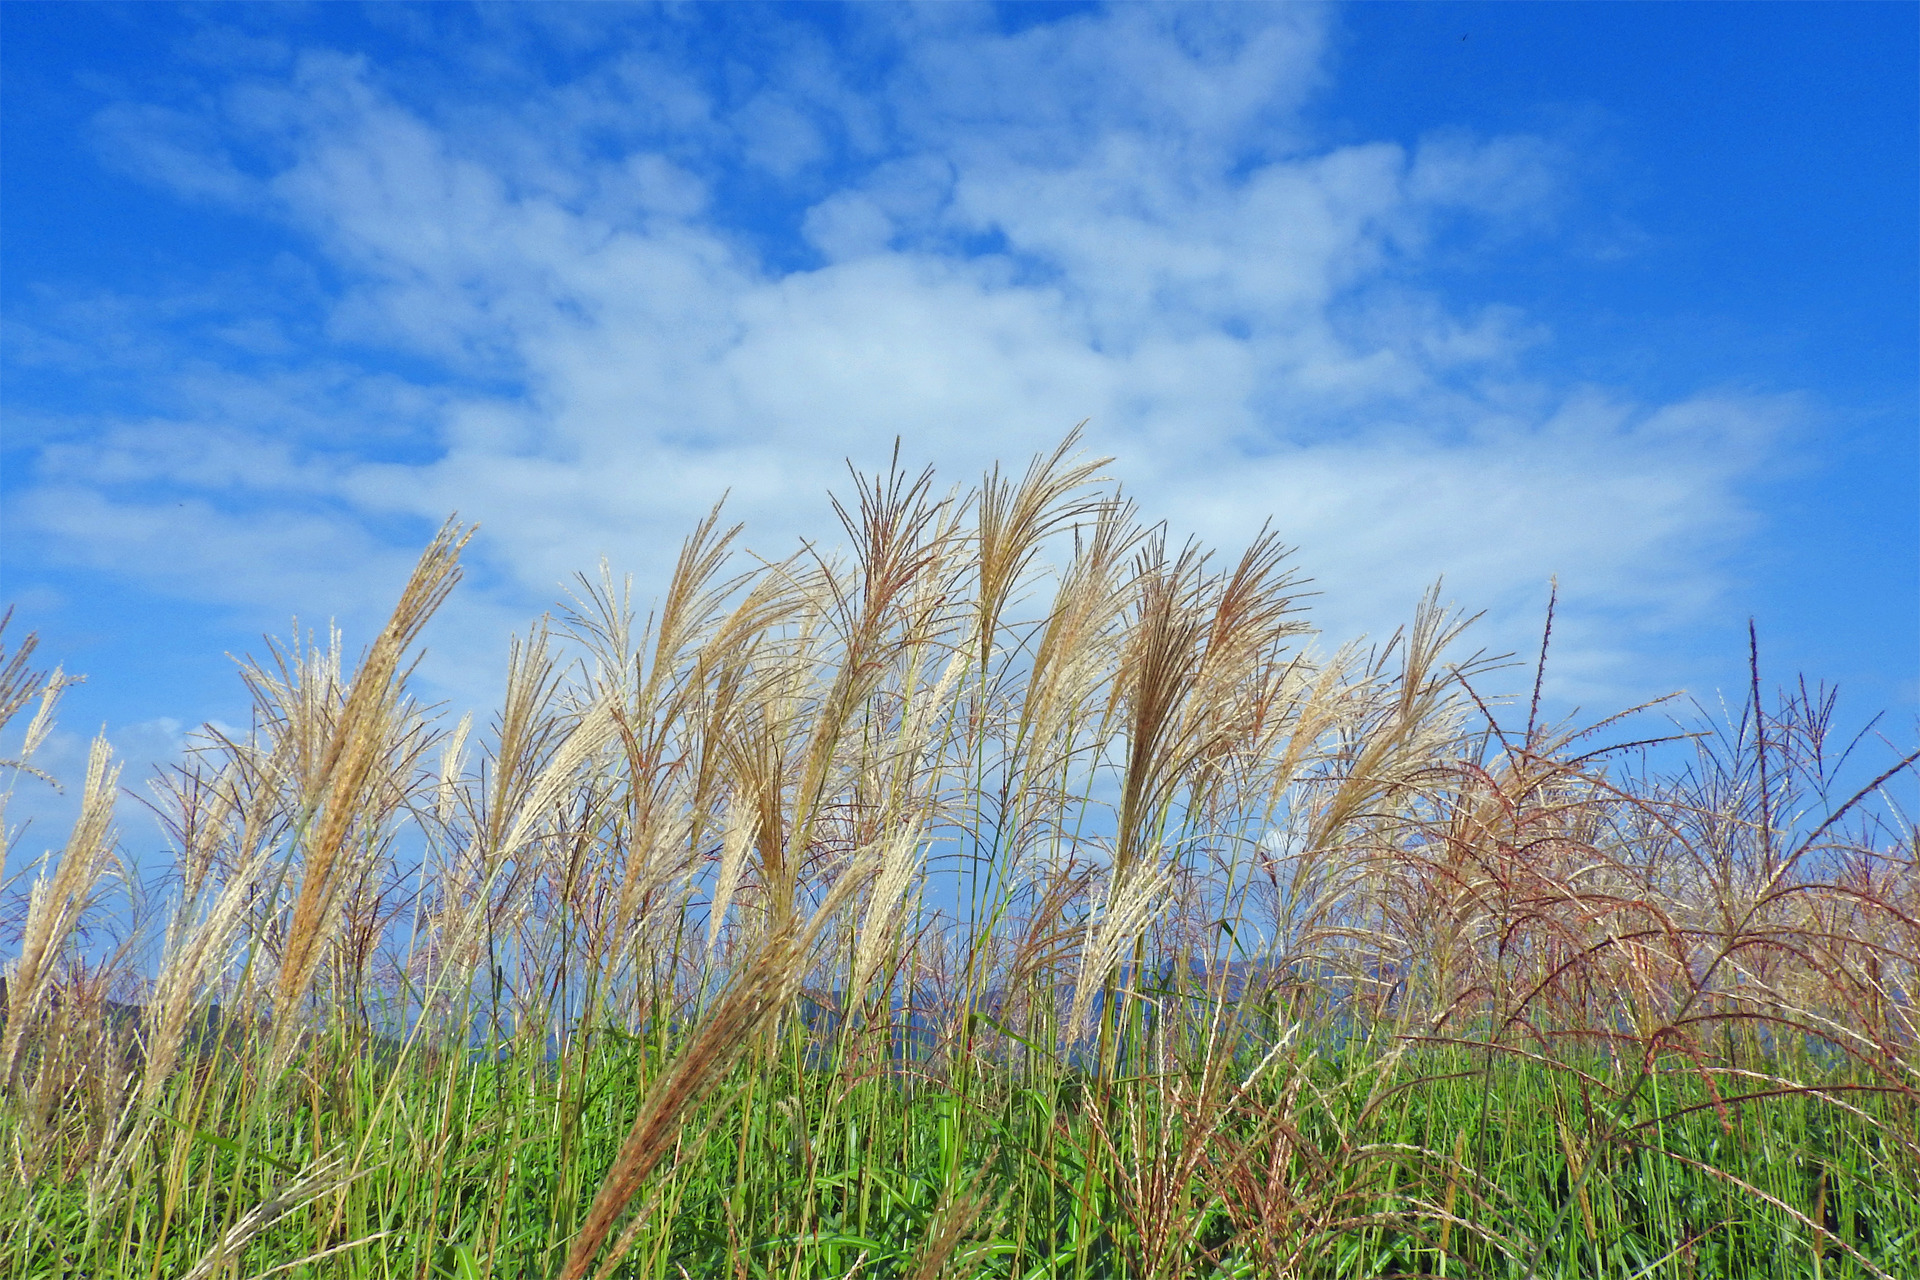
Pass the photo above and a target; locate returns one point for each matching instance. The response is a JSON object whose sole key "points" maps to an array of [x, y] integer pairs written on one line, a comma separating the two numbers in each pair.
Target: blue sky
{"points": [[1622, 294]]}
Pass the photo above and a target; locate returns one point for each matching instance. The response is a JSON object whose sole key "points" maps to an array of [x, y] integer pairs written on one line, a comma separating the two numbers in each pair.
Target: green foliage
{"points": [[485, 1169]]}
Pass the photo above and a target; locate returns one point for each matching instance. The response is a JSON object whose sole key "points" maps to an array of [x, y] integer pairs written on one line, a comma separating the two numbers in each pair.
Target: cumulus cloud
{"points": [[590, 308]]}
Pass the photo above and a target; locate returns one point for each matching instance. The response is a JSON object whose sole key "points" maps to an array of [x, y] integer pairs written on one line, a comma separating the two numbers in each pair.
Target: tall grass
{"points": [[1018, 894]]}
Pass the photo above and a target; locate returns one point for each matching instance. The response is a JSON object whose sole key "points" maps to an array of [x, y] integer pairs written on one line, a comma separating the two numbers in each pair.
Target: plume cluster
{"points": [[1010, 789]]}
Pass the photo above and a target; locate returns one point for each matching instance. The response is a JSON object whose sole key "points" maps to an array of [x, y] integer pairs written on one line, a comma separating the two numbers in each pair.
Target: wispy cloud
{"points": [[578, 304]]}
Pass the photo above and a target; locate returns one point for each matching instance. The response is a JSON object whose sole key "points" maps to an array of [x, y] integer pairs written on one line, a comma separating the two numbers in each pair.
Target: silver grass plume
{"points": [[1134, 895], [59, 898]]}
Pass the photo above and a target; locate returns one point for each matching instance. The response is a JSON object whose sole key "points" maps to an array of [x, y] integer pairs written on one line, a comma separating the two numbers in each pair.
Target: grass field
{"points": [[1020, 895]]}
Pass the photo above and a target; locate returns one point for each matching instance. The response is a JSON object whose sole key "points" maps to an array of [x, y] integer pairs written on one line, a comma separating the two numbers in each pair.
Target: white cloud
{"points": [[1117, 217], [176, 148], [848, 224]]}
